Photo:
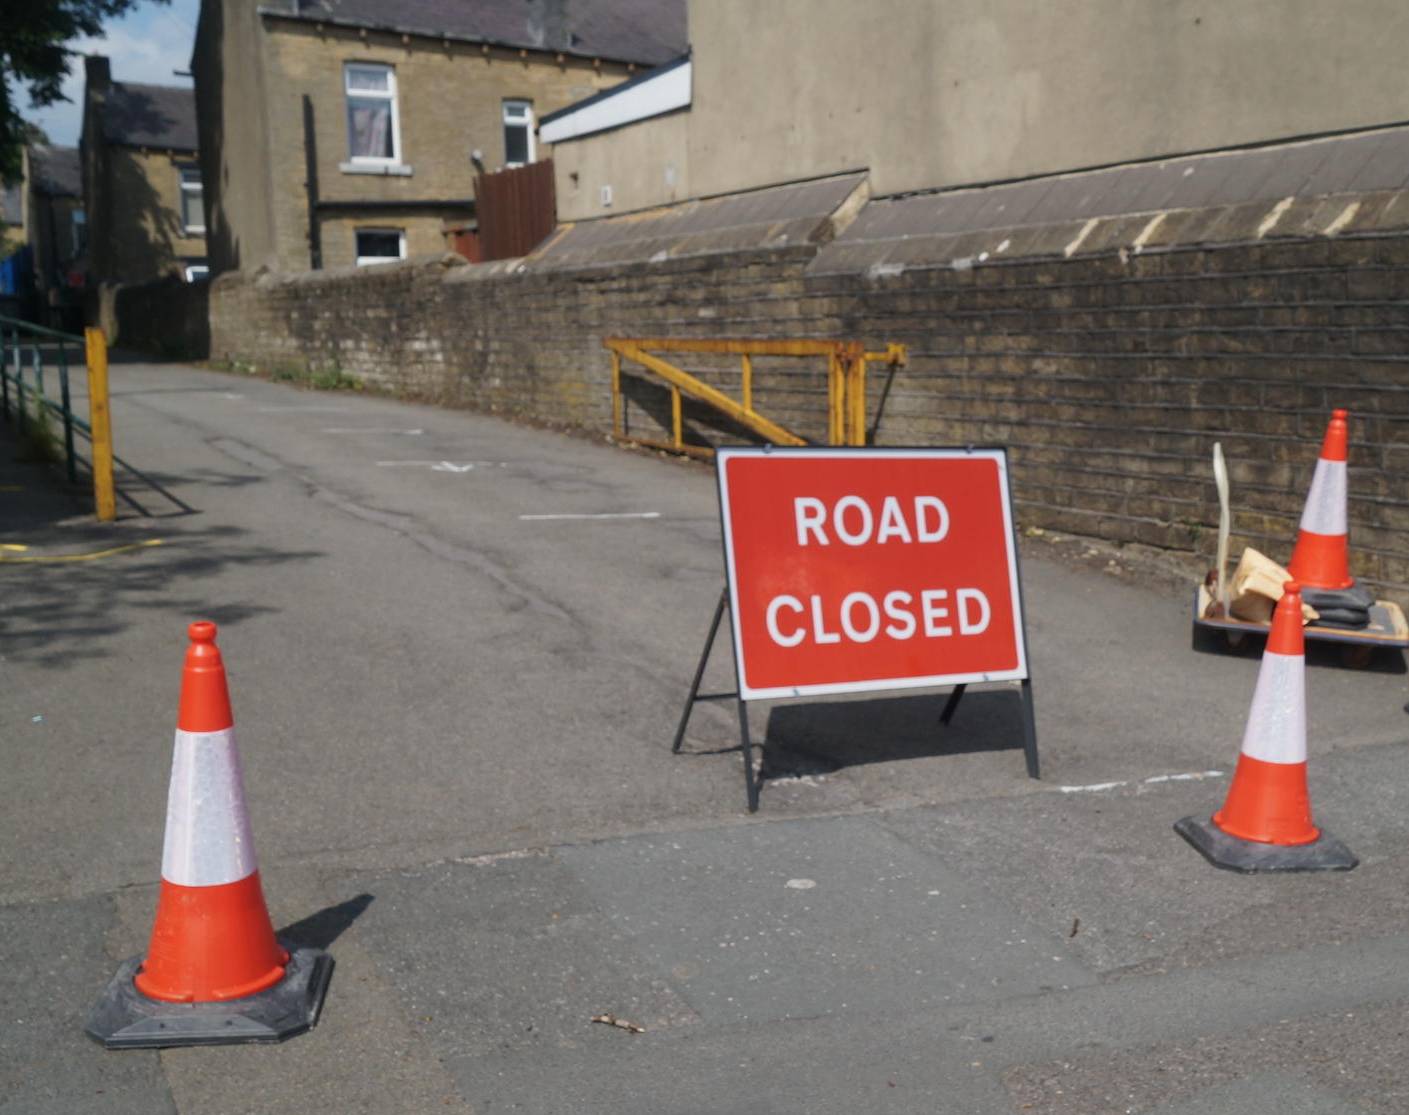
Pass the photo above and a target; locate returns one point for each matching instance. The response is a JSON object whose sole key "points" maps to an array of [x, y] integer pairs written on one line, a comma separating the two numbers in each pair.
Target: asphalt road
{"points": [[455, 695]]}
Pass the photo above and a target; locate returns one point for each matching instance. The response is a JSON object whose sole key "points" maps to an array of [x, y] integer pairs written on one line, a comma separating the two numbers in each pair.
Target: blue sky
{"points": [[146, 45]]}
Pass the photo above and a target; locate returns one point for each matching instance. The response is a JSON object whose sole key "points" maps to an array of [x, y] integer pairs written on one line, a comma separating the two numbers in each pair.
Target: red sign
{"points": [[860, 569]]}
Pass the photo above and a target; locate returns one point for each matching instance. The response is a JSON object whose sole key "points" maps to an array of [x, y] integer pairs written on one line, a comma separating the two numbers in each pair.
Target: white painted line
{"points": [[1097, 787], [231, 395], [607, 515], [1192, 776], [370, 430], [438, 466]]}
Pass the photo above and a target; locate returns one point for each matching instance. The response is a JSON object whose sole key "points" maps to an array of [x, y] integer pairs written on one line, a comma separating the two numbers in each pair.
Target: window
{"points": [[192, 205], [373, 131], [194, 272], [380, 245], [79, 226], [518, 133]]}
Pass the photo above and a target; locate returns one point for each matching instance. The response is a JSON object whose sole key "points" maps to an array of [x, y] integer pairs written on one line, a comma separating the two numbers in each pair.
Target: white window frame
{"points": [[194, 272], [525, 121], [389, 94], [371, 261], [198, 188]]}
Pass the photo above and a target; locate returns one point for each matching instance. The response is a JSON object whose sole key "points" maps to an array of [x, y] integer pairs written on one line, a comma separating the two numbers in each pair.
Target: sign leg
{"points": [[951, 704], [1029, 729], [746, 746], [700, 669]]}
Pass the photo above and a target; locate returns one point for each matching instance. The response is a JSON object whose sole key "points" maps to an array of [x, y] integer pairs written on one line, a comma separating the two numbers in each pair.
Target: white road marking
{"points": [[607, 515], [231, 395], [1192, 776], [370, 430], [1097, 787], [438, 466]]}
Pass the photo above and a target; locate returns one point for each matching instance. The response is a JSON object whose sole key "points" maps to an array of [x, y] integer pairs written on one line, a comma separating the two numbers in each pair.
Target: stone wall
{"points": [[168, 318], [1109, 377]]}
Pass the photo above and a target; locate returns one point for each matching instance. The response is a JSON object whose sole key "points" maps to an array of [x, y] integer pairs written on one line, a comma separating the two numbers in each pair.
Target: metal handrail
{"points": [[17, 335], [30, 327], [846, 385]]}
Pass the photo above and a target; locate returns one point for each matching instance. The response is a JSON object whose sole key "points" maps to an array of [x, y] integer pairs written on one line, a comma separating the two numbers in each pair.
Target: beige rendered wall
{"points": [[645, 164], [449, 102], [936, 93]]}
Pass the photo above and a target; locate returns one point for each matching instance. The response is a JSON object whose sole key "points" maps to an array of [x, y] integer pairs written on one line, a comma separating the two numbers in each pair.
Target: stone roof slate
{"points": [[56, 171], [647, 32], [136, 115]]}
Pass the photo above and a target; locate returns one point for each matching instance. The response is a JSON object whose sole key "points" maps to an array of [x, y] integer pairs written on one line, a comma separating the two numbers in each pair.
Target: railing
{"points": [[22, 347], [846, 386]]}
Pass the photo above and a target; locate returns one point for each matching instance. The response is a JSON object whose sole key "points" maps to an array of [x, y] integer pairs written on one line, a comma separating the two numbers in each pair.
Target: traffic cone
{"points": [[1321, 558], [214, 972], [1265, 823]]}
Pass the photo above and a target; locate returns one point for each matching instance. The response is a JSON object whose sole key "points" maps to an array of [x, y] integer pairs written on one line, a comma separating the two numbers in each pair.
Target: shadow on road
{"points": [[61, 610], [827, 736], [320, 930]]}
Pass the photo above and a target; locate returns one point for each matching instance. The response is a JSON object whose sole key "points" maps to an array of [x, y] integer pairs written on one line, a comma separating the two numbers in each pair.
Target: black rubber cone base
{"points": [[124, 1018], [1250, 857]]}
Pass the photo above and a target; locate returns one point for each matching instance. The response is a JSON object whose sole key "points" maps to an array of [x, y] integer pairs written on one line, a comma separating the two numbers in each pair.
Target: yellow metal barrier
{"points": [[846, 386], [100, 420]]}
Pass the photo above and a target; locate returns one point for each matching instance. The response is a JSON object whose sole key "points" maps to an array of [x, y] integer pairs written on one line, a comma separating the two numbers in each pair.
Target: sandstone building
{"points": [[338, 132], [56, 229], [141, 182]]}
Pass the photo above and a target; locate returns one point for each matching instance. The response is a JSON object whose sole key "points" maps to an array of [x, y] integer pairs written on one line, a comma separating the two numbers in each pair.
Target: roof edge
{"points": [[616, 90], [441, 36]]}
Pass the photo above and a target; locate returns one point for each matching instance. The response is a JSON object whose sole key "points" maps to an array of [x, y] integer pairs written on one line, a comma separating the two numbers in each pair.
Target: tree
{"points": [[34, 55]]}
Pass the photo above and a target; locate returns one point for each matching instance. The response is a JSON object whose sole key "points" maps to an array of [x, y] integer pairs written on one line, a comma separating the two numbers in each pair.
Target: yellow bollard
{"points": [[100, 421]]}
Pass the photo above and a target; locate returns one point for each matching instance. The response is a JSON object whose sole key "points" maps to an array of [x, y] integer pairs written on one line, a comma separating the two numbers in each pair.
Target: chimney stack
{"points": [[97, 73]]}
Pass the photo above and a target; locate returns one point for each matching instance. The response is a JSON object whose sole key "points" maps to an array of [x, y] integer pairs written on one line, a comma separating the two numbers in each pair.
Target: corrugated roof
{"points": [[791, 215], [150, 116], [56, 171], [1237, 189], [648, 32]]}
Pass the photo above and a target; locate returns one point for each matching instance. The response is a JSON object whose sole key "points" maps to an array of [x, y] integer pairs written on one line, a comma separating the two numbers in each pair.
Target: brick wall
{"points": [[1108, 378]]}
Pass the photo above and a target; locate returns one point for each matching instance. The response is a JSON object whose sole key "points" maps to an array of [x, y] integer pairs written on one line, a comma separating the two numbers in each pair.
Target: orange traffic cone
{"points": [[1321, 558], [1265, 823], [214, 972]]}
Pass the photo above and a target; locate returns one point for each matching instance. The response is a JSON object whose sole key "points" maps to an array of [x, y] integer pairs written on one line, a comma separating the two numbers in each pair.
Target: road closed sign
{"points": [[867, 569]]}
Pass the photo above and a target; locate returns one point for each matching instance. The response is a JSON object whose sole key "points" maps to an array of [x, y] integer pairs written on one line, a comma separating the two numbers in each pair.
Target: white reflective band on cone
{"points": [[1276, 731], [1325, 505], [208, 839]]}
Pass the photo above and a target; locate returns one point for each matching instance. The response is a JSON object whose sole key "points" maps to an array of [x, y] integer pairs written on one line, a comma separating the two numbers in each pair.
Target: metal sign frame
{"points": [[728, 601]]}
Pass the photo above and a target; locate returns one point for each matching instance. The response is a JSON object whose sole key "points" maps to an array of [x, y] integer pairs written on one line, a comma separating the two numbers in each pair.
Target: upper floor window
{"points": [[192, 203], [79, 225], [518, 133], [373, 131]]}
